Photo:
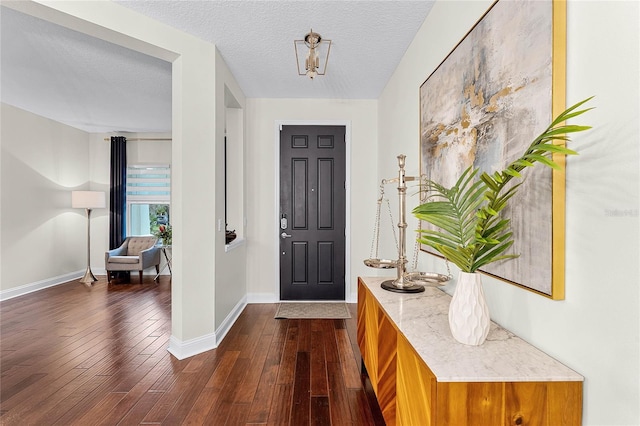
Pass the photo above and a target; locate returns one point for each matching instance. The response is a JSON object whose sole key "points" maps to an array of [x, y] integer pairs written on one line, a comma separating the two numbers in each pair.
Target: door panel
{"points": [[325, 194], [325, 262], [299, 262], [312, 199], [300, 200]]}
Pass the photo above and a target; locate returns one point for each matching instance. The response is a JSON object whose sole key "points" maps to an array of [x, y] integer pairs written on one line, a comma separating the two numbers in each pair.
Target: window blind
{"points": [[148, 183]]}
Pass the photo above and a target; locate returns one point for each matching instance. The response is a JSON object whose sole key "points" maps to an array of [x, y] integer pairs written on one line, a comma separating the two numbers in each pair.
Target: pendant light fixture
{"points": [[318, 47]]}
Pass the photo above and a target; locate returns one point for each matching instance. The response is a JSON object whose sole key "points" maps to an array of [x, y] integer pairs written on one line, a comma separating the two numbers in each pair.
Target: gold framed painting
{"points": [[483, 105]]}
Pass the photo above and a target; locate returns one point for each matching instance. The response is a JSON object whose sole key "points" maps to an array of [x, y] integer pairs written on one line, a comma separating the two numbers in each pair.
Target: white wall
{"points": [[596, 329], [43, 238], [230, 279], [262, 197], [154, 149]]}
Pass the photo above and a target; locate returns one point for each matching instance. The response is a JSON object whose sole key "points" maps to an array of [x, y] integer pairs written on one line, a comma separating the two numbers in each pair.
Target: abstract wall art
{"points": [[483, 105]]}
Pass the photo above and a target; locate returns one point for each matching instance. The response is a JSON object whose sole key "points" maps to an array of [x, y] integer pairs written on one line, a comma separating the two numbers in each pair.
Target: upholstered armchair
{"points": [[135, 254]]}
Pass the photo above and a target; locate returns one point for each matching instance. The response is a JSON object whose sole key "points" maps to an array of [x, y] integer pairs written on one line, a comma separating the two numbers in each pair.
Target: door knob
{"points": [[285, 235]]}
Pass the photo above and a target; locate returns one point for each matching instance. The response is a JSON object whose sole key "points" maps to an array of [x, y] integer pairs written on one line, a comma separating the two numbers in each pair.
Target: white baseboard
{"points": [[10, 293], [189, 348], [224, 328], [262, 298]]}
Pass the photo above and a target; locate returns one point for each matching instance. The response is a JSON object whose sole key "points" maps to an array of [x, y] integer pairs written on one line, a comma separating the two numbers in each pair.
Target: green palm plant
{"points": [[471, 232]]}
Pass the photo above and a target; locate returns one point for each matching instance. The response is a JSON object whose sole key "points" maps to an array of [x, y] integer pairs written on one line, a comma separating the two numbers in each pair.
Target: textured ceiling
{"points": [[81, 81], [256, 40], [73, 78]]}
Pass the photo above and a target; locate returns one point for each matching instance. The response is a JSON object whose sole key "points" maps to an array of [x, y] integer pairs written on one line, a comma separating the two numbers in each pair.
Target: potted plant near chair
{"points": [[471, 230]]}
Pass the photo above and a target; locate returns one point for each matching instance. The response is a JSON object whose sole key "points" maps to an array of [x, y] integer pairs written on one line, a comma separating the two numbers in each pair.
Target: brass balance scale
{"points": [[405, 282]]}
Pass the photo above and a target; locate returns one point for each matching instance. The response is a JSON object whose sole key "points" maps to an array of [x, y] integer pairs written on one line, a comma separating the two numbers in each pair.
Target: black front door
{"points": [[312, 212]]}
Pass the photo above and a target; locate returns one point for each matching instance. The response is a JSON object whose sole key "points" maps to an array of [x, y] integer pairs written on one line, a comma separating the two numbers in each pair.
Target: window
{"points": [[148, 198]]}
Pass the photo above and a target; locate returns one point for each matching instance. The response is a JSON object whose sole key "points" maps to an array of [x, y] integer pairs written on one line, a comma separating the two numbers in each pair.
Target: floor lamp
{"points": [[88, 200]]}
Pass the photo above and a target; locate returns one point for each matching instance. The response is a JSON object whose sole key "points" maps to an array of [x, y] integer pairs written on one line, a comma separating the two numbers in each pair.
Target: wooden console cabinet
{"points": [[422, 376]]}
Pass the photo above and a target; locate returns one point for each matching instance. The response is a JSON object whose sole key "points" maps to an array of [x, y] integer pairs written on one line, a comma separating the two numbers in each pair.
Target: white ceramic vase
{"points": [[469, 318]]}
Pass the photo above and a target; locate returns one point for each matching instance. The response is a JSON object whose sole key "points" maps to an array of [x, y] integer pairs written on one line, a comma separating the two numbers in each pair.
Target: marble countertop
{"points": [[423, 319]]}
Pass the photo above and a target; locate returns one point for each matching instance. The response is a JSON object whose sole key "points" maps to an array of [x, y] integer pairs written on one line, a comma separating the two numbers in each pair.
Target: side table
{"points": [[166, 252]]}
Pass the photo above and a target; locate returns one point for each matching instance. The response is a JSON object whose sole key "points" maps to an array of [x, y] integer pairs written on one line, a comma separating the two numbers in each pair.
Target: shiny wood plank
{"points": [[331, 353], [76, 356], [261, 405], [288, 364], [350, 368], [280, 413], [320, 413], [338, 398], [249, 386], [210, 394], [196, 373], [220, 412], [318, 365], [301, 399]]}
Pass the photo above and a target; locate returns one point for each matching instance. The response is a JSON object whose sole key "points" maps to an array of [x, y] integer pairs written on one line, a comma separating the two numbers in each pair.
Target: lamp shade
{"points": [[88, 199]]}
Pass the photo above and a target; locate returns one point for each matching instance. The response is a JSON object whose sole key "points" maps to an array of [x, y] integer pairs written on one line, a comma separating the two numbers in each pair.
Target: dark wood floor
{"points": [[72, 355]]}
